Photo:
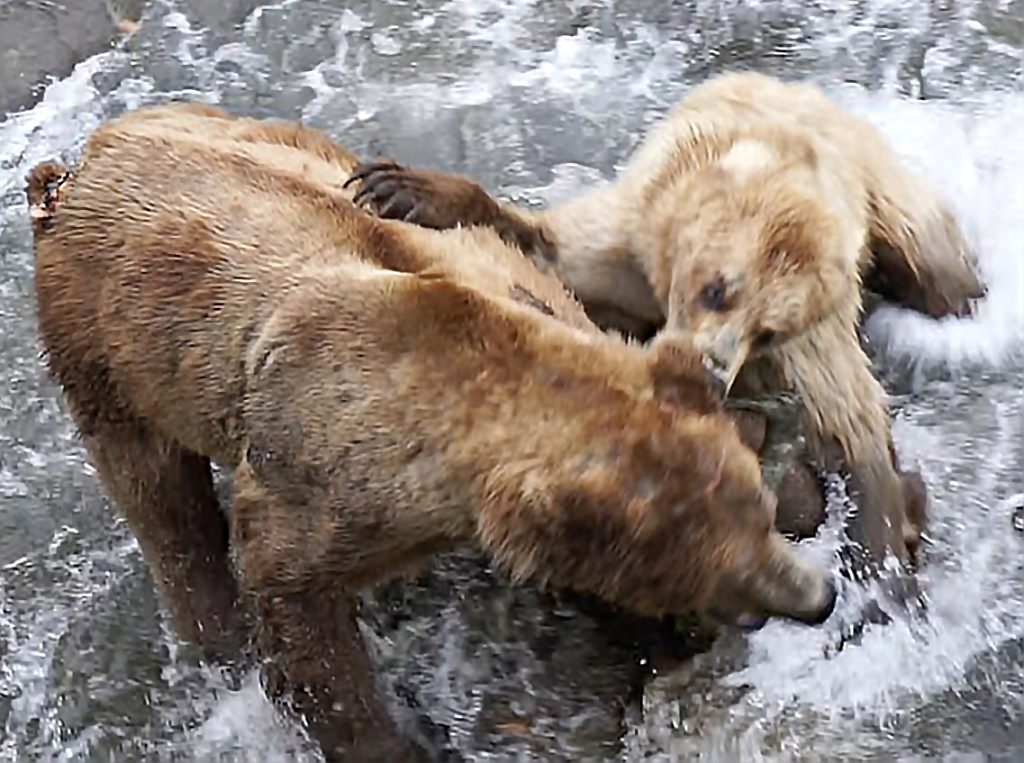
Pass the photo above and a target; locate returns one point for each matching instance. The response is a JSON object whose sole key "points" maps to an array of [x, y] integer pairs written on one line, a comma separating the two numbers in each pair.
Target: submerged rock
{"points": [[43, 41]]}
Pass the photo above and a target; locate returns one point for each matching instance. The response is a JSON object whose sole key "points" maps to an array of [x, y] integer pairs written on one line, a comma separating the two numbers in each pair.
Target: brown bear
{"points": [[747, 220], [208, 292]]}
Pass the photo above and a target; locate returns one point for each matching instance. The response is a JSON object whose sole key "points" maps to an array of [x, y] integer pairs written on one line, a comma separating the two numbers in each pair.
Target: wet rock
{"points": [[44, 41], [753, 428], [801, 508]]}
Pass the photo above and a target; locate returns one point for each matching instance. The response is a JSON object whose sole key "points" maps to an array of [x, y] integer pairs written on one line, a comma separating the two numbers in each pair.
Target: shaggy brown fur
{"points": [[747, 221], [206, 291]]}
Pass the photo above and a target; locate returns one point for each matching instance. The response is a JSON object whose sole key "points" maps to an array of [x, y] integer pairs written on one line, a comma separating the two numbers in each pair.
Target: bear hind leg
{"points": [[168, 498]]}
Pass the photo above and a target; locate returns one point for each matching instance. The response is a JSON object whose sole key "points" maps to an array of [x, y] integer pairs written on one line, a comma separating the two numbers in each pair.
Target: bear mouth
{"points": [[714, 376]]}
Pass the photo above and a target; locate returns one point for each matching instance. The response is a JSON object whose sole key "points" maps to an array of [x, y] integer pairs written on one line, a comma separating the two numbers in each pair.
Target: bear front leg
{"points": [[167, 495], [920, 258], [313, 658], [848, 424], [442, 201], [312, 654]]}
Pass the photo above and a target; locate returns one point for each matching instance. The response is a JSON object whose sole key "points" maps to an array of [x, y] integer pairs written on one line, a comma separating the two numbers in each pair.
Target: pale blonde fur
{"points": [[751, 126]]}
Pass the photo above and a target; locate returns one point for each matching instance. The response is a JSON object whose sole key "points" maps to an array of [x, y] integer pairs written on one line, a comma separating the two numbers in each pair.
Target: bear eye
{"points": [[764, 338], [712, 296]]}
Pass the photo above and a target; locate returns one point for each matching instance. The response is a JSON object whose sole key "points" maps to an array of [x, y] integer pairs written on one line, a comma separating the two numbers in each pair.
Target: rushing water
{"points": [[537, 98]]}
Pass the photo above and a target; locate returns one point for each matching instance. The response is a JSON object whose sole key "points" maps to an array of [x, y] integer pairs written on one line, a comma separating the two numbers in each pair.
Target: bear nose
{"points": [[828, 605]]}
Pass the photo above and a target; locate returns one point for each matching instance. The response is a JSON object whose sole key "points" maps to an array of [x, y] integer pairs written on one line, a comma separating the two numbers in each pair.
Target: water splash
{"points": [[978, 174], [784, 693]]}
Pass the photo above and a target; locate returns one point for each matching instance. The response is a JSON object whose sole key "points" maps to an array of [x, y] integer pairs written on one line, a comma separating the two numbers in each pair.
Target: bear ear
{"points": [[679, 377], [44, 190]]}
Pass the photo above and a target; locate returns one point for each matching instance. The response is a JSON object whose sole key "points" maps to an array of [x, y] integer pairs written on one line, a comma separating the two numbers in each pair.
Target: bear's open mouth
{"points": [[714, 376]]}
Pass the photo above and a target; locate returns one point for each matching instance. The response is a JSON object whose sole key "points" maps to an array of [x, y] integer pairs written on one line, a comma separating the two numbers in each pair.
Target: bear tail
{"points": [[44, 188]]}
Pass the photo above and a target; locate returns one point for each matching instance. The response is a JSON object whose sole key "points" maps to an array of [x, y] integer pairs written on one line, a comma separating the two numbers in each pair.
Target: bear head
{"points": [[764, 253]]}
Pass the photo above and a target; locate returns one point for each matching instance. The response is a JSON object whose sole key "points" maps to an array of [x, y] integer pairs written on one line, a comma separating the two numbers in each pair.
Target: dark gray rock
{"points": [[41, 42]]}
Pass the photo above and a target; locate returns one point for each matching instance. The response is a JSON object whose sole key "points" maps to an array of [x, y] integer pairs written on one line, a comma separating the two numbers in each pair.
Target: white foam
{"points": [[243, 725], [574, 64], [30, 644], [969, 152], [67, 111], [790, 681]]}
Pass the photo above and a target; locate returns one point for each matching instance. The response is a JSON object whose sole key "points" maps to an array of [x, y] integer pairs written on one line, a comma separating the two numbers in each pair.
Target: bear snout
{"points": [[828, 605], [786, 586]]}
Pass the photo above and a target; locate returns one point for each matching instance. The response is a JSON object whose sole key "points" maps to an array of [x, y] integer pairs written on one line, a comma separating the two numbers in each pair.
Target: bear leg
{"points": [[167, 495], [440, 200], [920, 258], [752, 427], [801, 508], [847, 426], [313, 658]]}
